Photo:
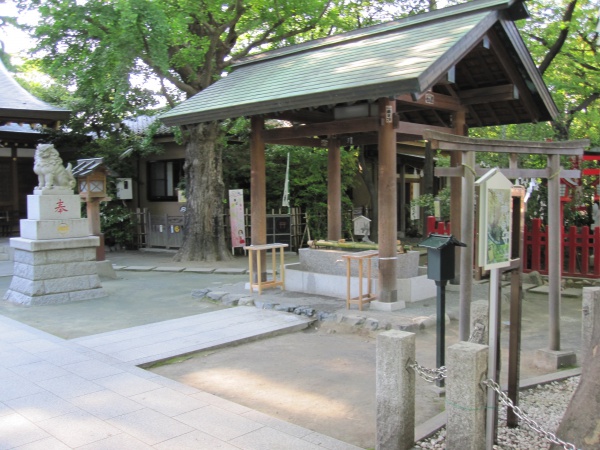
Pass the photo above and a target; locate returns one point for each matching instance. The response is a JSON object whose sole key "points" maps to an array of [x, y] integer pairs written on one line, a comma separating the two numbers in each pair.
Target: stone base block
{"points": [[31, 245], [53, 206], [387, 306], [51, 299], [331, 262], [409, 289], [418, 288], [54, 271], [54, 229], [105, 269], [554, 359]]}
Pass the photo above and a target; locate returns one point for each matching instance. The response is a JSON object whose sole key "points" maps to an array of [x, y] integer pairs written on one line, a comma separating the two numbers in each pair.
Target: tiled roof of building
{"points": [[409, 56], [20, 106]]}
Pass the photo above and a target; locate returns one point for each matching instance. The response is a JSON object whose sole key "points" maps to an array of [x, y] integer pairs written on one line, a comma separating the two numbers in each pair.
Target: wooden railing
{"points": [[579, 248], [580, 245]]}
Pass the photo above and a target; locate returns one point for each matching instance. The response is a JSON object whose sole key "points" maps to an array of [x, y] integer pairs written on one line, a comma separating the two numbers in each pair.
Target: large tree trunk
{"points": [[581, 423], [204, 231]]}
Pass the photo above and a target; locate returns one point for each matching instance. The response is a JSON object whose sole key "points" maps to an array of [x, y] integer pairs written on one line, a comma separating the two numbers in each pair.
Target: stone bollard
{"points": [[465, 396], [590, 313], [395, 391]]}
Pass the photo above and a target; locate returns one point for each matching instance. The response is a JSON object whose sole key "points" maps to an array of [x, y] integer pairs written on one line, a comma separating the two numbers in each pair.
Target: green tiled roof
{"points": [[401, 57]]}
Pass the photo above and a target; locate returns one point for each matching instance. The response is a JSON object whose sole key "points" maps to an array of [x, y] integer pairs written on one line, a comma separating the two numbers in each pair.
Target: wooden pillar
{"points": [[334, 191], [14, 171], [462, 197], [258, 192], [388, 290], [466, 253], [402, 200], [456, 188], [428, 185], [555, 252], [93, 215]]}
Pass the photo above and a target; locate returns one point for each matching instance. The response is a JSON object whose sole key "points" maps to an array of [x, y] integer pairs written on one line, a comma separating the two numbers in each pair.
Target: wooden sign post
{"points": [[495, 236]]}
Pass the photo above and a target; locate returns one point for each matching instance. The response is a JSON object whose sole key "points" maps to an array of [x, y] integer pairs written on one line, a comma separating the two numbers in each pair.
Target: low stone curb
{"points": [[348, 319]]}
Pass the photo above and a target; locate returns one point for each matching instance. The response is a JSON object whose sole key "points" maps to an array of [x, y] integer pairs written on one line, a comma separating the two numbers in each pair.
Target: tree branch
{"points": [[268, 38], [585, 103], [554, 50]]}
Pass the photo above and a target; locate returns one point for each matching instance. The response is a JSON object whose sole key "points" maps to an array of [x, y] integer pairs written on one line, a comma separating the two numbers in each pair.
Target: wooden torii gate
{"points": [[468, 171]]}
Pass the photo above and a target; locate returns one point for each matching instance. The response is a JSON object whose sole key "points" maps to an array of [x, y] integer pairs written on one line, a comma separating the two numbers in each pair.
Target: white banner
{"points": [[236, 216], [285, 202]]}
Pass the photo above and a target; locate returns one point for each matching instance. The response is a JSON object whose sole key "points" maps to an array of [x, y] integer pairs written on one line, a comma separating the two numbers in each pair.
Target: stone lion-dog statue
{"points": [[48, 166]]}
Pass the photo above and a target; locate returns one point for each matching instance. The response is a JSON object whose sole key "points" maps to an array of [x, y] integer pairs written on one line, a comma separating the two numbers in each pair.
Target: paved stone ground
{"points": [[22, 346]]}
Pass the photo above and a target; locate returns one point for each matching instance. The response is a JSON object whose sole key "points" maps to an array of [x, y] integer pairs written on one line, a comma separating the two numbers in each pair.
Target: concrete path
{"points": [[163, 340], [56, 394]]}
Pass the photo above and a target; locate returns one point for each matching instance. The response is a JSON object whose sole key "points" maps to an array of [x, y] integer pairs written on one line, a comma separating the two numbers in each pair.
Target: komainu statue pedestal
{"points": [[55, 257]]}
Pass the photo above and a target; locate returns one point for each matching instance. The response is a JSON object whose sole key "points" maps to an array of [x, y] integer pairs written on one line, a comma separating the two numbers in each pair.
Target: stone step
{"points": [[163, 340]]}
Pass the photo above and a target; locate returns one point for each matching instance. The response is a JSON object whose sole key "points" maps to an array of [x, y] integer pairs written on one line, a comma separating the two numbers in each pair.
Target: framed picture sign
{"points": [[495, 220]]}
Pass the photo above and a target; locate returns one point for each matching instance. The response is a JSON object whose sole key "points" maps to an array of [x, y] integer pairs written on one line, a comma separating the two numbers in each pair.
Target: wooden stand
{"points": [[360, 257], [260, 284]]}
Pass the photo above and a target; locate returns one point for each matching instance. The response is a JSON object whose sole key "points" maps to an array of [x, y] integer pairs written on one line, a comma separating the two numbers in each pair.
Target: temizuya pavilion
{"points": [[446, 71]]}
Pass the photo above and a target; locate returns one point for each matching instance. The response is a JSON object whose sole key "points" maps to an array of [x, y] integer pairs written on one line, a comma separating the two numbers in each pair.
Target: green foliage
{"points": [[308, 181], [117, 224], [308, 175], [426, 201], [563, 41]]}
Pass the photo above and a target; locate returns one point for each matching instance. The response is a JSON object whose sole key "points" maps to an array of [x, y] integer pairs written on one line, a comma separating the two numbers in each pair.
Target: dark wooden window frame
{"points": [[162, 178]]}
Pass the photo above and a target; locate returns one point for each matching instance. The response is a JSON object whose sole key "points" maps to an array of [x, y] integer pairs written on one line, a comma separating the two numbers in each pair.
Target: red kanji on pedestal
{"points": [[60, 207]]}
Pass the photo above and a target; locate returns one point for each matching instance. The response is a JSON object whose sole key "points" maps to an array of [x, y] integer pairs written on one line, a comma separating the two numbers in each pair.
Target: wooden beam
{"points": [[431, 100], [450, 142], [489, 94], [467, 234], [387, 218], [508, 173], [516, 77], [302, 116], [258, 193], [300, 142], [336, 127], [417, 129], [334, 191], [554, 249]]}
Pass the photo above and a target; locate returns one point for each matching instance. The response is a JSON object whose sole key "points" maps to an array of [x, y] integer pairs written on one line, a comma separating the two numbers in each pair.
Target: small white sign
{"points": [[495, 220]]}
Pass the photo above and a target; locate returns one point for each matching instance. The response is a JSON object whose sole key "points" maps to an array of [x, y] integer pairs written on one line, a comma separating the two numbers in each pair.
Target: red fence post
{"points": [[536, 247], [570, 244], [585, 251], [596, 247]]}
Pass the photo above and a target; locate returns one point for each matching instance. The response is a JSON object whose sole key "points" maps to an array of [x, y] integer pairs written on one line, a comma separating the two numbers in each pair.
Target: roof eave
{"points": [[32, 115], [525, 58], [371, 92]]}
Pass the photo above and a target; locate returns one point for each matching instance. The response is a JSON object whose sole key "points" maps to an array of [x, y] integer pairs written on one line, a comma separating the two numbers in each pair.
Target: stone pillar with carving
{"points": [[55, 256]]}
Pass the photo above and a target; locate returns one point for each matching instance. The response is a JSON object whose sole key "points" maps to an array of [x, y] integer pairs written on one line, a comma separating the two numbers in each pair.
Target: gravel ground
{"points": [[545, 404]]}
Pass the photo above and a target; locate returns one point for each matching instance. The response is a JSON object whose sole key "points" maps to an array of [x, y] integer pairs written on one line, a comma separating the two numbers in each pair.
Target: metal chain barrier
{"points": [[527, 420], [429, 375]]}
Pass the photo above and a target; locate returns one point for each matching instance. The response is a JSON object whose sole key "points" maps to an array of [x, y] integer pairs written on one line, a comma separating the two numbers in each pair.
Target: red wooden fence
{"points": [[579, 248]]}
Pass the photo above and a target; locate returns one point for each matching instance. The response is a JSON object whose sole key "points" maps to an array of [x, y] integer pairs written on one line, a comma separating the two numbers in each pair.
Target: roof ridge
{"points": [[454, 11]]}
